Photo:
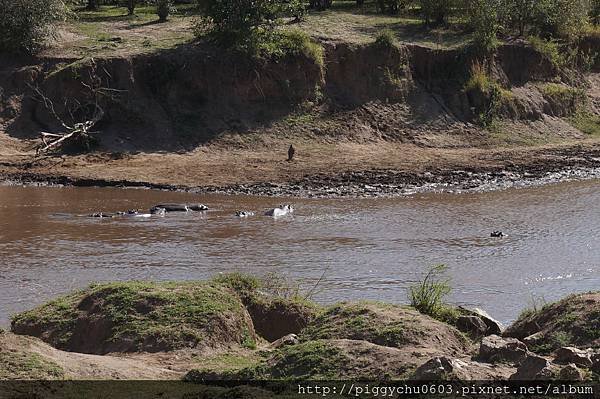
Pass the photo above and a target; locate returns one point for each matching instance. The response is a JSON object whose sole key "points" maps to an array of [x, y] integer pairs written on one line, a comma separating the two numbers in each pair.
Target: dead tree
{"points": [[80, 130]]}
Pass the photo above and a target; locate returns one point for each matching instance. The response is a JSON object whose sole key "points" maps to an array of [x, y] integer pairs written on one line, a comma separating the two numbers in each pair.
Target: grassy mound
{"points": [[387, 325], [326, 359], [572, 321], [141, 316]]}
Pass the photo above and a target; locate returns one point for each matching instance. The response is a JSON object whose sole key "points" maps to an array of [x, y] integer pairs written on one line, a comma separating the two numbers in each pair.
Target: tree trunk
{"points": [[92, 5], [131, 6]]}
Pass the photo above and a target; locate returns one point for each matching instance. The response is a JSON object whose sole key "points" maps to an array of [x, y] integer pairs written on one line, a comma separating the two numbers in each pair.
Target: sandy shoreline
{"points": [[477, 170]]}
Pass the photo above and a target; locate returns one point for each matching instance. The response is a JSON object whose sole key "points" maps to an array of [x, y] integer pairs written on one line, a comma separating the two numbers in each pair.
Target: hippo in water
{"points": [[280, 211], [134, 213], [180, 207], [244, 214], [101, 215]]}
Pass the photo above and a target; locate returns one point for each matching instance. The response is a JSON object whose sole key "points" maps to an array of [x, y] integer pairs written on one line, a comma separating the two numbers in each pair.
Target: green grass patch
{"points": [[586, 122], [16, 365]]}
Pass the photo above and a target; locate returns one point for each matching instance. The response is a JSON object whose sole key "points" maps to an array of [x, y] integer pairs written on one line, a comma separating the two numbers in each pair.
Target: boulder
{"points": [[571, 373], [472, 325], [569, 354], [495, 349], [439, 368], [290, 339], [533, 339], [533, 368], [494, 326]]}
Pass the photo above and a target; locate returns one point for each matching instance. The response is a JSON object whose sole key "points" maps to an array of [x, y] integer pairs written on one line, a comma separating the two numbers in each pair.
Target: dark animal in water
{"points": [[243, 214], [179, 207], [497, 234], [291, 152]]}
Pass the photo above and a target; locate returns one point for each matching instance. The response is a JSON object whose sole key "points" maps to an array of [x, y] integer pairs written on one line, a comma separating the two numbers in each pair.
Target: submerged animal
{"points": [[179, 207], [497, 234], [243, 214], [280, 211], [101, 215]]}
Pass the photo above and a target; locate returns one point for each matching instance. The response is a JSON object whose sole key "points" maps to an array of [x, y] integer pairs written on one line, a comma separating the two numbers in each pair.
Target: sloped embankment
{"points": [[193, 94], [572, 321]]}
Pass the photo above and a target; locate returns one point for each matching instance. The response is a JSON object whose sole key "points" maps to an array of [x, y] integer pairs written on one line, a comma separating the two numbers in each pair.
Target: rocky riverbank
{"points": [[236, 327], [546, 166]]}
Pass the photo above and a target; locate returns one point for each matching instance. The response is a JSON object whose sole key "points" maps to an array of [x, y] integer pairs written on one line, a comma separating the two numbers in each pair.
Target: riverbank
{"points": [[361, 170], [366, 119], [236, 327]]}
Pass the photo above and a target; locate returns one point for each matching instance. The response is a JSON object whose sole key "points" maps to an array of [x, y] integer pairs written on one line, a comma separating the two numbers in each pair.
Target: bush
{"points": [[385, 39], [234, 22], [25, 25], [428, 295], [483, 19], [554, 18]]}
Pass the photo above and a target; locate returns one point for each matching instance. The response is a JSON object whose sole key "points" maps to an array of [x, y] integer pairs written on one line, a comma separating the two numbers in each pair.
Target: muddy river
{"points": [[363, 248]]}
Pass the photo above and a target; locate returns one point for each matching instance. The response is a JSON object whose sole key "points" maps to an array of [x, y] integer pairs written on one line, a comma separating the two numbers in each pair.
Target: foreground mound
{"points": [[387, 325], [18, 364], [573, 321], [141, 316], [327, 359]]}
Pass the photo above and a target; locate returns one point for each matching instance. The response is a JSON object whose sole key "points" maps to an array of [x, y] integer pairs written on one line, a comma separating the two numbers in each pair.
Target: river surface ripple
{"points": [[367, 248]]}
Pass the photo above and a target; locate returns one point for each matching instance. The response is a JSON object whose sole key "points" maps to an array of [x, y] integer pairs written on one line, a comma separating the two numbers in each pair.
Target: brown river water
{"points": [[366, 248]]}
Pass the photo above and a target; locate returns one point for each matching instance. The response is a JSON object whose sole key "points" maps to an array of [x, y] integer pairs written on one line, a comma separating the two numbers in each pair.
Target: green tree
{"points": [[565, 18], [25, 25], [236, 21], [483, 19]]}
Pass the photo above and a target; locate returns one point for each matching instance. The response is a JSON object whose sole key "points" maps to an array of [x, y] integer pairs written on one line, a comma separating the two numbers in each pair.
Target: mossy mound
{"points": [[17, 364], [572, 321], [387, 325], [326, 359], [141, 316]]}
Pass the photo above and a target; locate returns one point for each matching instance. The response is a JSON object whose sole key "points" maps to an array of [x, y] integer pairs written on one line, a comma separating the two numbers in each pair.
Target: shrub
{"points": [[235, 22], [483, 19], [550, 49], [564, 18], [428, 295], [385, 39], [25, 25]]}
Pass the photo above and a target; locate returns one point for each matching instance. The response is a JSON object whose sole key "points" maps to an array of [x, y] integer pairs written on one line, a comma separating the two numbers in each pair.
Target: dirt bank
{"points": [[365, 120]]}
